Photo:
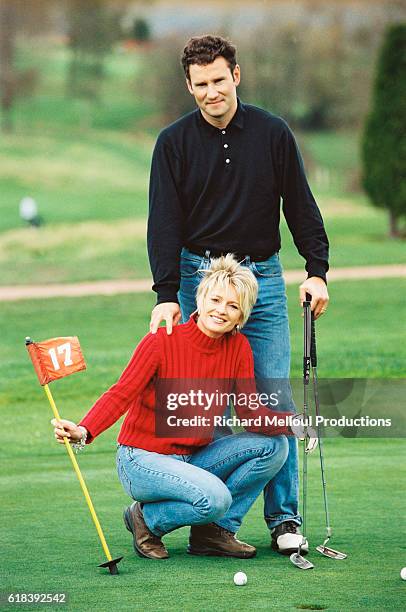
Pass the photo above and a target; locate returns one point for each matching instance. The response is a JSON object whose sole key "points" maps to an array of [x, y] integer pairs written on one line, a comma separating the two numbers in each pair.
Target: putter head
{"points": [[300, 561], [112, 565], [330, 552]]}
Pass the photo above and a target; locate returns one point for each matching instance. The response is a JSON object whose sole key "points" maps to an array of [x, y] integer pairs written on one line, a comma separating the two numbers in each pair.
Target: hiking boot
{"points": [[213, 540], [146, 543], [286, 539]]}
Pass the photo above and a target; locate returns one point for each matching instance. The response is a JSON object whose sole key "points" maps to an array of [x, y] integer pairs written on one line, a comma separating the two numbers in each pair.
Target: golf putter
{"points": [[322, 548], [297, 558]]}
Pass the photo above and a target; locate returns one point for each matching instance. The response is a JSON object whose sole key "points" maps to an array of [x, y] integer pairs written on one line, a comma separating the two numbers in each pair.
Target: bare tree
{"points": [[8, 30], [93, 29]]}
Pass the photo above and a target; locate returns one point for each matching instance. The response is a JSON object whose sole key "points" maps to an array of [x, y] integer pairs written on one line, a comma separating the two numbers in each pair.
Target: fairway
{"points": [[46, 529], [92, 192]]}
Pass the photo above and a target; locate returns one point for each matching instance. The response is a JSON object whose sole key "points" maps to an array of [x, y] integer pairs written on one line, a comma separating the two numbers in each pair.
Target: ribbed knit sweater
{"points": [[185, 354]]}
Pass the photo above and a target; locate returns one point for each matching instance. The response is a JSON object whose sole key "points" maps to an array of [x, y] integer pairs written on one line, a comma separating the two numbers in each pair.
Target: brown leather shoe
{"points": [[146, 543], [213, 540]]}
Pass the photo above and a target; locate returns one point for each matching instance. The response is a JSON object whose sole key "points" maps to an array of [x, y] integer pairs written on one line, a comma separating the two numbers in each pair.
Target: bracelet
{"points": [[80, 444]]}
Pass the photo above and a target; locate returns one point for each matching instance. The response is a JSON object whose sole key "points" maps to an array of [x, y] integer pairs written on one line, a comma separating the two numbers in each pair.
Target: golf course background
{"points": [[87, 167]]}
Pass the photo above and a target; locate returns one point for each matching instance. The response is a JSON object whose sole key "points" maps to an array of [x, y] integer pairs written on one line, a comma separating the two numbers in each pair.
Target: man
{"points": [[217, 177]]}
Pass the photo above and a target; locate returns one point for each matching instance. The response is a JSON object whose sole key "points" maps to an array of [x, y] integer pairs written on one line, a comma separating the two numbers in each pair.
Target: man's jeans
{"points": [[218, 483], [267, 330]]}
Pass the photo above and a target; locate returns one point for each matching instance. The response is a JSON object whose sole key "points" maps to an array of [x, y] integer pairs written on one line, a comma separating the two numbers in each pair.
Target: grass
{"points": [[101, 248], [75, 252], [91, 187], [51, 544], [357, 235], [337, 155], [44, 505], [75, 178], [119, 105], [95, 213]]}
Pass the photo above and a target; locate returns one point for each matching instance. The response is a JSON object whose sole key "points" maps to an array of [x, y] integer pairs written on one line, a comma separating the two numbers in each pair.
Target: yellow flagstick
{"points": [[110, 563]]}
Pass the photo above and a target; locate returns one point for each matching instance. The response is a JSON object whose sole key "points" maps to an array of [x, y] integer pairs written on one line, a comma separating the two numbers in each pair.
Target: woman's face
{"points": [[220, 312]]}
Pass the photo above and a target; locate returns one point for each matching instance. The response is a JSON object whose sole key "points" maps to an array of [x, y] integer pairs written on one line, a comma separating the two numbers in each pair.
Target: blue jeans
{"points": [[267, 330], [218, 483]]}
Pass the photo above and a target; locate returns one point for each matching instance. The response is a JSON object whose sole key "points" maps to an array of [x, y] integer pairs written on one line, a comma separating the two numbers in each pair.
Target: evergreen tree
{"points": [[384, 138], [141, 31]]}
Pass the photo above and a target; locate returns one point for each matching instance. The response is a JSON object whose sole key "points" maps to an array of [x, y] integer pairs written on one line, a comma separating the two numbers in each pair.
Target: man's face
{"points": [[214, 88]]}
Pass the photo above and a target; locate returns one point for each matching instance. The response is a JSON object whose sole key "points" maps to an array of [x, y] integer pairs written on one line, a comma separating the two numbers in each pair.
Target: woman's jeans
{"points": [[267, 330], [218, 483]]}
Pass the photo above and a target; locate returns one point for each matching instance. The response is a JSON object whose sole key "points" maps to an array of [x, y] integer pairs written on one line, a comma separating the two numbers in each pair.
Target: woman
{"points": [[192, 480]]}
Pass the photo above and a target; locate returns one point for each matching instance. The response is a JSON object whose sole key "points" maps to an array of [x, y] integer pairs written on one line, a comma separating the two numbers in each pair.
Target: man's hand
{"points": [[308, 434], [168, 312], [318, 290]]}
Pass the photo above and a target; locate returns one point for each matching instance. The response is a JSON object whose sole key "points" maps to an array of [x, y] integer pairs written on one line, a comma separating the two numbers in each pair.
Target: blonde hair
{"points": [[226, 271]]}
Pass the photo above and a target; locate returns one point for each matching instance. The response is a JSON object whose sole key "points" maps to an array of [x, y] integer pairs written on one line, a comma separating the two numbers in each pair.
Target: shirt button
{"points": [[225, 146], [227, 161], [223, 131]]}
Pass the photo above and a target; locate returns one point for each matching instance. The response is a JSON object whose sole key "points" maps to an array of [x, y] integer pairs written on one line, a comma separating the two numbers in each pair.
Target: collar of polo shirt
{"points": [[236, 121]]}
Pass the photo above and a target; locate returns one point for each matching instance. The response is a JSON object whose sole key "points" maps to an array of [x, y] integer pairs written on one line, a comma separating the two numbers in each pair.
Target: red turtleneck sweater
{"points": [[185, 354]]}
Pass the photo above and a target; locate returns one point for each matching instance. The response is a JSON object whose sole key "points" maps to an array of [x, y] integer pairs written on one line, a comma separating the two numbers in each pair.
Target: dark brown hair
{"points": [[203, 50]]}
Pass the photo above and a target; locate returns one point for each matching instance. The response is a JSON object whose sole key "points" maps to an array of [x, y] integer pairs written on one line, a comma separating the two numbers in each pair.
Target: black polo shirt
{"points": [[221, 189]]}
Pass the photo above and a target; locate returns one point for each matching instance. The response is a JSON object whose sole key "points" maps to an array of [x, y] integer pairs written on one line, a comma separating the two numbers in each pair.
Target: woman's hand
{"points": [[67, 429]]}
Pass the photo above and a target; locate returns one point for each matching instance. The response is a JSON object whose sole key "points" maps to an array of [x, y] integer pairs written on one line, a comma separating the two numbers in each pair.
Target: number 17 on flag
{"points": [[54, 359]]}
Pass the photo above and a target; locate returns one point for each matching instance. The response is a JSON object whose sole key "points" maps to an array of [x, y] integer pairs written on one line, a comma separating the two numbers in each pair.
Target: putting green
{"points": [[50, 544]]}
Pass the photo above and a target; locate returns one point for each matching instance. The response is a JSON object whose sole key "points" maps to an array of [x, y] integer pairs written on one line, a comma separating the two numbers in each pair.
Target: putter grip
{"points": [[313, 351]]}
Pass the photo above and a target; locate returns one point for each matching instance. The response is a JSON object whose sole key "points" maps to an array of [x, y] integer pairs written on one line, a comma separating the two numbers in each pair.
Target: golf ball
{"points": [[402, 573], [240, 579]]}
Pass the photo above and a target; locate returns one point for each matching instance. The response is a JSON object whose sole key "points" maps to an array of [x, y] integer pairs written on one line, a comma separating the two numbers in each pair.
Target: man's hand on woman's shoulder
{"points": [[168, 312]]}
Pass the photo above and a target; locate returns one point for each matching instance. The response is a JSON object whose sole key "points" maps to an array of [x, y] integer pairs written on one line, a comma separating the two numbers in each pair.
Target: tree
{"points": [[141, 31], [163, 81], [8, 29], [15, 82], [93, 30], [384, 137]]}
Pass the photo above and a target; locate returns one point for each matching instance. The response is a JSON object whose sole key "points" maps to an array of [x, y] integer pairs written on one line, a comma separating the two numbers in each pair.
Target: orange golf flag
{"points": [[56, 358]]}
